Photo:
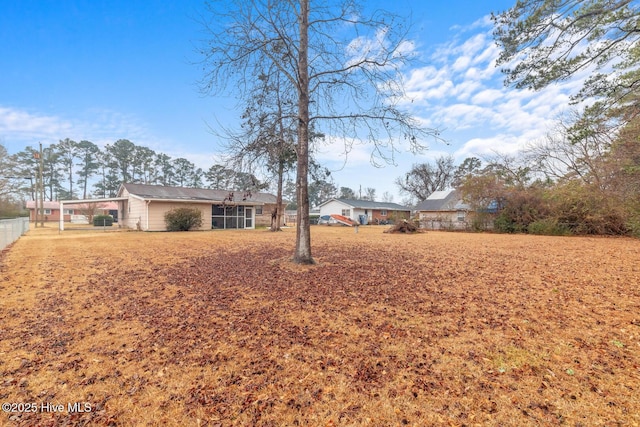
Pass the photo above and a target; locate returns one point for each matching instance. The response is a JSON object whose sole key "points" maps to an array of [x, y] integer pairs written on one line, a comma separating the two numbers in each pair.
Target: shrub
{"points": [[548, 227], [521, 208], [633, 224], [481, 221], [502, 224], [587, 210], [183, 219], [102, 220]]}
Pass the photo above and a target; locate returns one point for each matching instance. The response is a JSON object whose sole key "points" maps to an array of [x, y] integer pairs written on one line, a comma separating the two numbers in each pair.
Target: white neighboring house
{"points": [[365, 211]]}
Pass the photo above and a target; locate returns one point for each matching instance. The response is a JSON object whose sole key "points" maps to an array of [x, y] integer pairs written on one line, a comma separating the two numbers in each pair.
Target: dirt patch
{"points": [[218, 328]]}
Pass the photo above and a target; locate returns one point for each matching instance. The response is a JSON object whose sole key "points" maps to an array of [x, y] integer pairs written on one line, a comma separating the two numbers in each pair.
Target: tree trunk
{"points": [[303, 230], [275, 222], [71, 182]]}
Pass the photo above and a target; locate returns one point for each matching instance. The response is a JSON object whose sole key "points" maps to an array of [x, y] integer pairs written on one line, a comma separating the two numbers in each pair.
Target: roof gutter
{"points": [[209, 202]]}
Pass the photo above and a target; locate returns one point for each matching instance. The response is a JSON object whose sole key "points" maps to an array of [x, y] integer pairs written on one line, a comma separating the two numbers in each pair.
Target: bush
{"points": [[587, 210], [502, 224], [548, 227], [521, 208], [183, 219], [102, 220], [481, 221]]}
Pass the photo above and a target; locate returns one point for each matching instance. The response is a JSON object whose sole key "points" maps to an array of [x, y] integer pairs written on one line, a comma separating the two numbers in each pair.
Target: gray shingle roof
{"points": [[367, 204], [447, 200], [182, 193]]}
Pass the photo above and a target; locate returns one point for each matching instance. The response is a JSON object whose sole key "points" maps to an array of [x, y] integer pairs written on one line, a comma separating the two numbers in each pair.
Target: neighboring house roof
{"points": [[56, 205], [447, 200], [160, 192], [47, 204], [367, 204]]}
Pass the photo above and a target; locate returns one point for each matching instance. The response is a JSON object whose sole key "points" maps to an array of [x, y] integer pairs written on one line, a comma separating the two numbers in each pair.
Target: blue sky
{"points": [[103, 71]]}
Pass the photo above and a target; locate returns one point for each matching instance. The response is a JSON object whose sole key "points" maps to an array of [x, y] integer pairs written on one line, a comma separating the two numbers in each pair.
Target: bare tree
{"points": [[343, 68], [512, 170], [370, 194], [575, 149], [387, 197], [425, 178], [267, 136]]}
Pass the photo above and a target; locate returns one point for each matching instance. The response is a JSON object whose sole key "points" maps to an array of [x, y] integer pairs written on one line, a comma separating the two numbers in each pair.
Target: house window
{"points": [[68, 211], [383, 212], [258, 210], [47, 211], [346, 212], [461, 216]]}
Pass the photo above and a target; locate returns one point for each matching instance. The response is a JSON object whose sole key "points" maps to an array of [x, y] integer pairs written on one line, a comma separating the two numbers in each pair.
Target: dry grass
{"points": [[219, 329]]}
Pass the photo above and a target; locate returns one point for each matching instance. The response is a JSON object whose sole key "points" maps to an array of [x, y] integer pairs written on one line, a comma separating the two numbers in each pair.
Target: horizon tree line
{"points": [[80, 170]]}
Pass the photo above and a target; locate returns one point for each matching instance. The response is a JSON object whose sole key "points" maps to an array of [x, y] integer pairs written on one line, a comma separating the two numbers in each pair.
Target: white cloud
{"points": [[503, 143], [18, 124], [487, 96], [461, 63], [21, 128], [462, 90], [337, 151]]}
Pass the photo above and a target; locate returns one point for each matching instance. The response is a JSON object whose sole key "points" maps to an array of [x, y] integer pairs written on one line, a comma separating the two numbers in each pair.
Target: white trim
{"points": [[146, 207]]}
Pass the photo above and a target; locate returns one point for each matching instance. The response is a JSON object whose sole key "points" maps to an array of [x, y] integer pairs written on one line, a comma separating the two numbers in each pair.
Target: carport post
{"points": [[61, 228]]}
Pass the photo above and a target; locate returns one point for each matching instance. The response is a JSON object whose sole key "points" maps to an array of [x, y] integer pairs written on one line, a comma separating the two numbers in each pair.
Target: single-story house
{"points": [[444, 210], [71, 210], [142, 206], [365, 211]]}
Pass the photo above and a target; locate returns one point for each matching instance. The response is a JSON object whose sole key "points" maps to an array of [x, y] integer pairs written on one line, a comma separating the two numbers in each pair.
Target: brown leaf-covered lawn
{"points": [[220, 329]]}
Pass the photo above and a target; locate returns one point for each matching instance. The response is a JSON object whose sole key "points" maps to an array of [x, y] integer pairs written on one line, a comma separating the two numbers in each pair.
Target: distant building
{"points": [[444, 210], [365, 211], [71, 210], [143, 206]]}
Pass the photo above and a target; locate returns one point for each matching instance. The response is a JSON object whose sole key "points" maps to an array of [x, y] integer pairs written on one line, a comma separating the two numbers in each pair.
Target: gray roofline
{"points": [[381, 205], [241, 203], [108, 199]]}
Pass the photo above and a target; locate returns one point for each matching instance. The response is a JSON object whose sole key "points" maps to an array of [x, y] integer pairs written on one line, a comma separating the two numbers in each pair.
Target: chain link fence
{"points": [[11, 230]]}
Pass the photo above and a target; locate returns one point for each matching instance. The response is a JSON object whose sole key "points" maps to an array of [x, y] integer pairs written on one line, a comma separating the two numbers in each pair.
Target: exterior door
{"points": [[248, 217]]}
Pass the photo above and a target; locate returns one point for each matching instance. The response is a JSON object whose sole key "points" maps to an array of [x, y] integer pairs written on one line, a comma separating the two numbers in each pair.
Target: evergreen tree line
{"points": [[81, 170]]}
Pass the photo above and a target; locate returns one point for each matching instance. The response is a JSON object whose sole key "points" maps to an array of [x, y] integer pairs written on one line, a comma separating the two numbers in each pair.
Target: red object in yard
{"points": [[344, 220]]}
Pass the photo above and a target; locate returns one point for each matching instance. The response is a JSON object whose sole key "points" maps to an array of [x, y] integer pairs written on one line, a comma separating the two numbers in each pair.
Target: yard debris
{"points": [[404, 226]]}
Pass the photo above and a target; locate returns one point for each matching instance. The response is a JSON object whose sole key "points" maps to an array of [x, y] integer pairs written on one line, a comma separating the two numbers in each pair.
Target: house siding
{"points": [[54, 209], [158, 209], [146, 205], [336, 207], [391, 215], [54, 216], [373, 215], [445, 220], [136, 217], [264, 219]]}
